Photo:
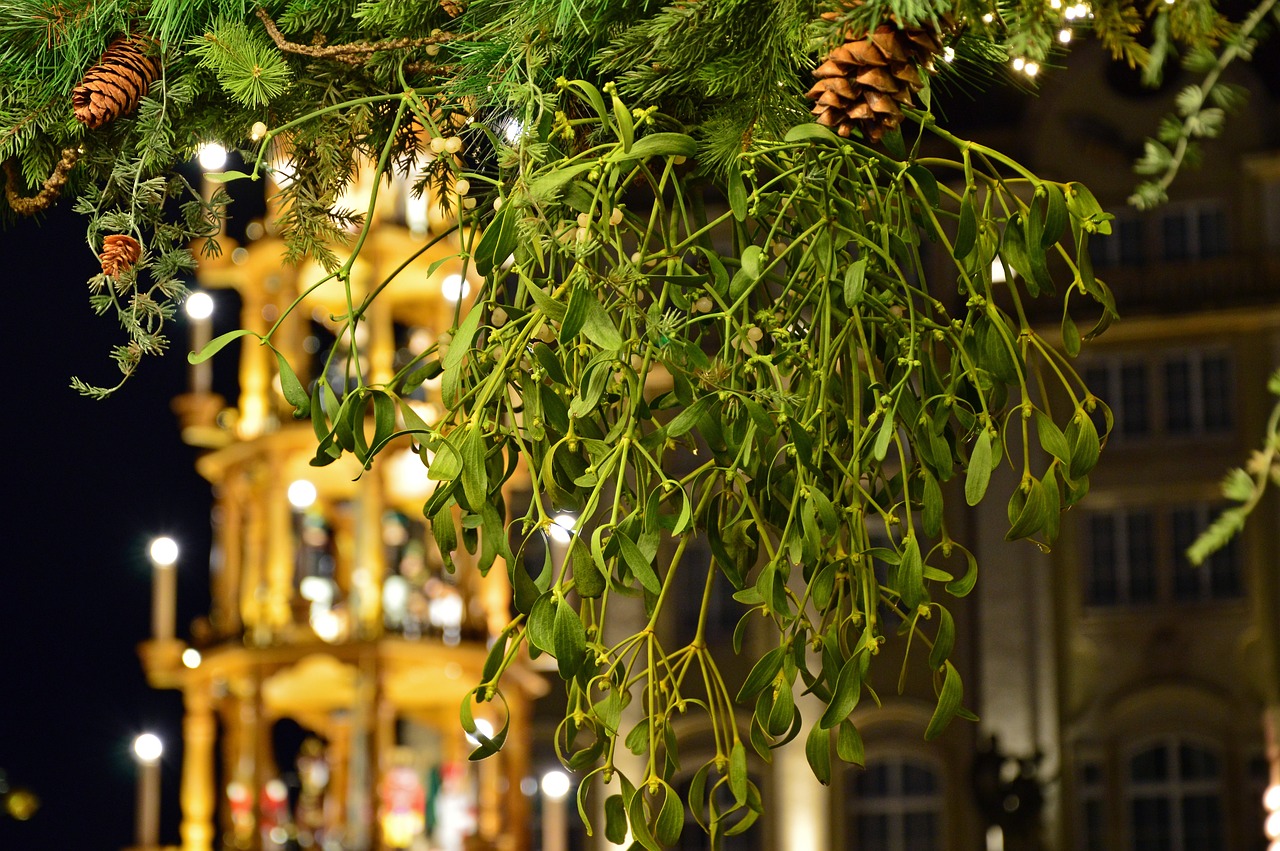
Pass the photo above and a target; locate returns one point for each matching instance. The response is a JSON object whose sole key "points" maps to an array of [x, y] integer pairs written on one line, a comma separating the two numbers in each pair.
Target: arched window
{"points": [[1174, 798], [895, 804]]}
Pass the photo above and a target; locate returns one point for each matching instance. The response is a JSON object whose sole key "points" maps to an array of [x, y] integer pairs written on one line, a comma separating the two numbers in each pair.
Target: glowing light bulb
{"points": [[1019, 63], [199, 305], [1031, 69], [302, 494], [164, 551], [191, 658], [555, 785], [148, 748], [326, 624], [454, 287], [484, 728], [1064, 35], [512, 131], [561, 526], [212, 156]]}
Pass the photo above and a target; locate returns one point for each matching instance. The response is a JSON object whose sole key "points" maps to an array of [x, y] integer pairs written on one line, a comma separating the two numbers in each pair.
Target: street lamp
{"points": [[164, 588], [199, 307], [147, 750], [555, 823]]}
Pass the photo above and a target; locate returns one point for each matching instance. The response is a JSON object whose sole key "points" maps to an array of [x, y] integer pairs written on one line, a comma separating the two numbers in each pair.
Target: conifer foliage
{"points": [[643, 189]]}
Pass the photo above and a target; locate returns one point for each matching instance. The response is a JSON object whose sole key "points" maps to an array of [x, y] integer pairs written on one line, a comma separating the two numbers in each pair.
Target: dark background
{"points": [[87, 484]]}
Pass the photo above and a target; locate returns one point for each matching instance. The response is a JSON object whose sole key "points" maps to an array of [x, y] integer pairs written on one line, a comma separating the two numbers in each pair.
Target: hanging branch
{"points": [[1245, 486], [1195, 119]]}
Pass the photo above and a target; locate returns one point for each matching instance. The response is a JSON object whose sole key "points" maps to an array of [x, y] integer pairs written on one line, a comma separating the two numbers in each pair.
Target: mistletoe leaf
{"points": [[845, 694], [982, 461], [658, 145], [497, 243], [849, 745], [817, 750], [949, 700], [568, 638]]}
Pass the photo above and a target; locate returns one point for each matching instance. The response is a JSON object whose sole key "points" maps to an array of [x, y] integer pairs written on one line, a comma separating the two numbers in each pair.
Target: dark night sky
{"points": [[88, 483]]}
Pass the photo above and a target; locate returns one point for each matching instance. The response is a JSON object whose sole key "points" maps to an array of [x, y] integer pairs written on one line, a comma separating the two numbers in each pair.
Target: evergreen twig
{"points": [[1197, 118]]}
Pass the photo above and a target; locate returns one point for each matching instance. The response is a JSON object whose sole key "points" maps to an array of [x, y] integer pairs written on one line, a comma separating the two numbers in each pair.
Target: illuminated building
{"points": [[332, 617]]}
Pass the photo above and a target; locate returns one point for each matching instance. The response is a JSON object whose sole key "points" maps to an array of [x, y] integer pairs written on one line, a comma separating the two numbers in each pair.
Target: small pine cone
{"points": [[119, 253], [453, 8], [114, 86], [864, 81]]}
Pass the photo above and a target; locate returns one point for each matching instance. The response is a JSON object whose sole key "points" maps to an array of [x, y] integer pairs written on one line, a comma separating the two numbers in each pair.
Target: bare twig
{"points": [[49, 191], [352, 53]]}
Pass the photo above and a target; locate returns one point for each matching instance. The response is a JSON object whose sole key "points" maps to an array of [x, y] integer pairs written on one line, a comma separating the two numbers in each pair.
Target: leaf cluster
{"points": [[820, 394]]}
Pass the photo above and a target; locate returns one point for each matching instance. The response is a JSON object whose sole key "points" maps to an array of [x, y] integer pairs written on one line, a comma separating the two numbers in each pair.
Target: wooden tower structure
{"points": [[331, 615]]}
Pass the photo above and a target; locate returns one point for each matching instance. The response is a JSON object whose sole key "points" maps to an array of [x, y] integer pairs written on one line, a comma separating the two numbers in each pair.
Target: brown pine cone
{"points": [[115, 85], [864, 81], [119, 253]]}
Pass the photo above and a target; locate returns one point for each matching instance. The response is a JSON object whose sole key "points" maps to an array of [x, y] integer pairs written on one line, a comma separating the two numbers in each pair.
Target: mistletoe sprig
{"points": [[772, 373]]}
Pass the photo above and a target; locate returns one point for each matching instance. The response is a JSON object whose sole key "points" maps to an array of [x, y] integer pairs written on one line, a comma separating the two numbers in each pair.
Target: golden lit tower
{"points": [[331, 609]]}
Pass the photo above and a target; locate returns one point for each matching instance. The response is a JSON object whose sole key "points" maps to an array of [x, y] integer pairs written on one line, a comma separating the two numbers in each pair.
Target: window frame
{"points": [[1138, 240], [1175, 788], [897, 806], [1168, 562], [1154, 415]]}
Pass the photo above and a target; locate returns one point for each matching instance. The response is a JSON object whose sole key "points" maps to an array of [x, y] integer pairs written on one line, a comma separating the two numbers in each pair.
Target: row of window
{"points": [[1138, 556], [1172, 800], [1182, 393], [1179, 232]]}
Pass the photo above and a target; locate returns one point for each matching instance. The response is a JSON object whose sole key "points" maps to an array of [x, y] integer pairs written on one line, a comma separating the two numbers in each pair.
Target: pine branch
{"points": [[246, 66]]}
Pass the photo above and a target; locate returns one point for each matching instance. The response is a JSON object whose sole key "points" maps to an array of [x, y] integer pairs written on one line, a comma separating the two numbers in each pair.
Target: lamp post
{"points": [[555, 822], [164, 588], [147, 749], [199, 307]]}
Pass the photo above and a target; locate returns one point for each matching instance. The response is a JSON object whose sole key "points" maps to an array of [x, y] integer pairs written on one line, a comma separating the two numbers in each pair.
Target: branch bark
{"points": [[352, 53]]}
